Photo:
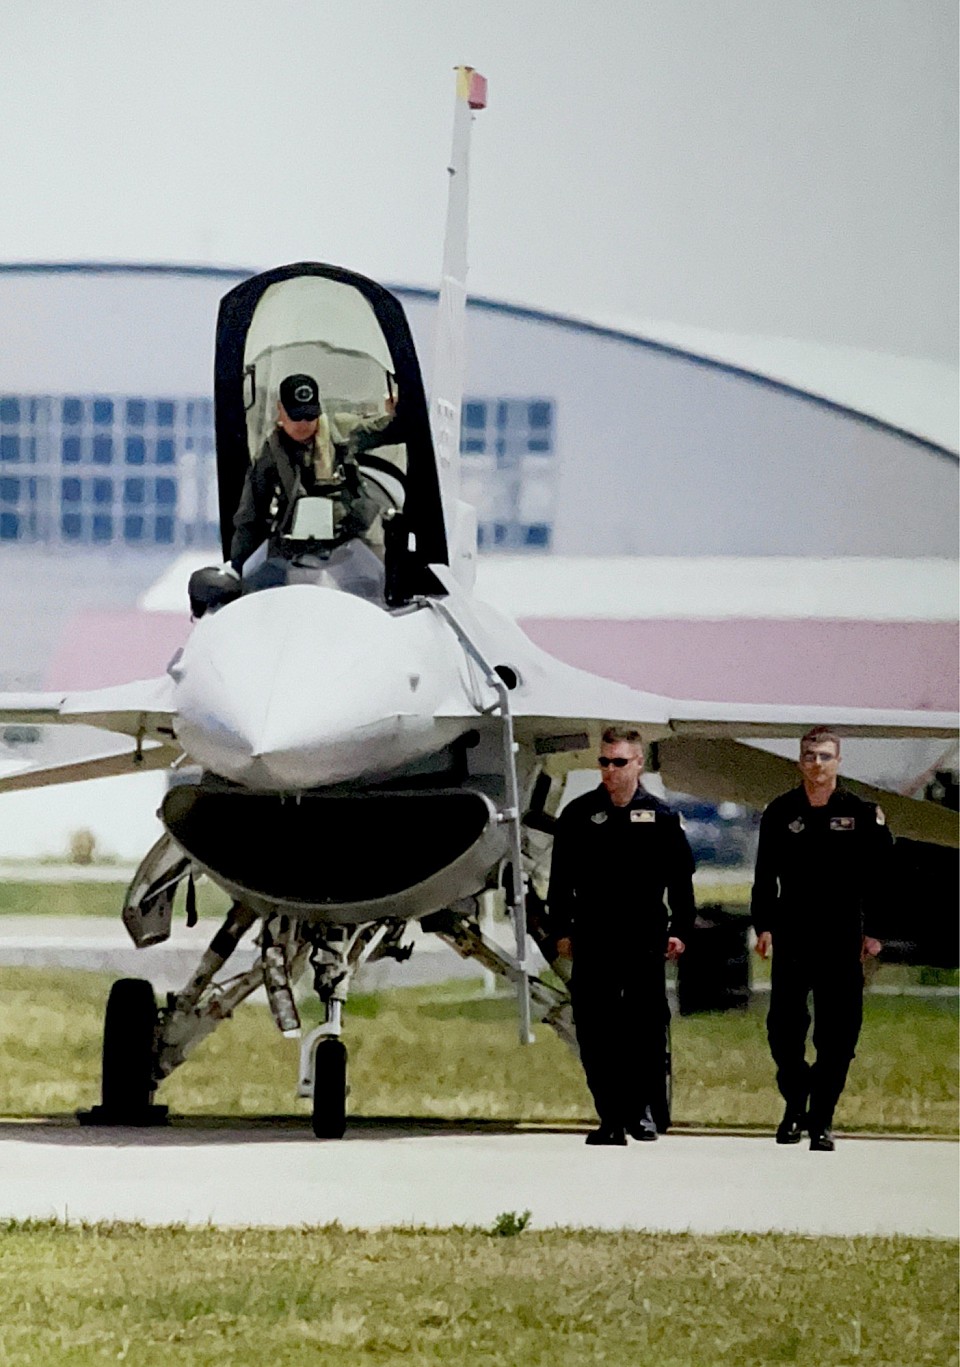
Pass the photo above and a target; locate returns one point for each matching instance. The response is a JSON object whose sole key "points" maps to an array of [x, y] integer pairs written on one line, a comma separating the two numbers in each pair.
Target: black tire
{"points": [[129, 1041], [329, 1118], [660, 1104]]}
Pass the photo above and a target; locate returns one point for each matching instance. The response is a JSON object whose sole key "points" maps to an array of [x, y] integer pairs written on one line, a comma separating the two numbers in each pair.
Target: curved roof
{"points": [[913, 396]]}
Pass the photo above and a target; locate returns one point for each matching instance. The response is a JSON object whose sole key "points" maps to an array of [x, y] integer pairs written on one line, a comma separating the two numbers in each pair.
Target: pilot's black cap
{"points": [[300, 397]]}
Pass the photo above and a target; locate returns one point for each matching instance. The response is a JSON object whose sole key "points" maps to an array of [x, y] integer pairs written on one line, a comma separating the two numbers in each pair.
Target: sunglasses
{"points": [[605, 761]]}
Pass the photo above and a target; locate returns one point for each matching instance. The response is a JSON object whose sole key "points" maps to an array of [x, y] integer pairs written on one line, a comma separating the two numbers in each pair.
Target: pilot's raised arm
{"points": [[357, 433]]}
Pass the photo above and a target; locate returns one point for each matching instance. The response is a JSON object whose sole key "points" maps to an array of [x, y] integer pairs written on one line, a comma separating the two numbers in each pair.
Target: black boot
{"points": [[608, 1134], [791, 1127], [644, 1127], [821, 1139]]}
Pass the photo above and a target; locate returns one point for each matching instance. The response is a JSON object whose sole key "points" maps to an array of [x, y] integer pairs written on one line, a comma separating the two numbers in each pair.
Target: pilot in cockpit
{"points": [[305, 488]]}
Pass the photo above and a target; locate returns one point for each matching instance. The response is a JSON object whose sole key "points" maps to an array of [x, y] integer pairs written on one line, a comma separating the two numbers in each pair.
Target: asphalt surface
{"points": [[390, 1173]]}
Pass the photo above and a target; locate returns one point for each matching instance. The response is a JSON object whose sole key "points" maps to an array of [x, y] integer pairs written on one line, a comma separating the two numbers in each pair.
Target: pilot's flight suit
{"points": [[611, 866], [284, 470], [822, 882]]}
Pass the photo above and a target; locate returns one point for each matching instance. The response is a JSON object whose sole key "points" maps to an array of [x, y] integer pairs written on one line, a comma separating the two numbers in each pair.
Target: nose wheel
{"points": [[329, 1113]]}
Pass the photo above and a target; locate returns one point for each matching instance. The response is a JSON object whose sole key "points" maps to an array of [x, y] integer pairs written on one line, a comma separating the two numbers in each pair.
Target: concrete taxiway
{"points": [[389, 1173]]}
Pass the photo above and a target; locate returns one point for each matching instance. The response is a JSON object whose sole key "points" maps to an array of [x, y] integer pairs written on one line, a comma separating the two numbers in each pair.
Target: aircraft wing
{"points": [[724, 770], [703, 747], [109, 764], [142, 711]]}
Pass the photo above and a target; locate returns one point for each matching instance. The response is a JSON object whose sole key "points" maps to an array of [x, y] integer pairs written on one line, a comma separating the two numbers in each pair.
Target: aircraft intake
{"points": [[348, 857]]}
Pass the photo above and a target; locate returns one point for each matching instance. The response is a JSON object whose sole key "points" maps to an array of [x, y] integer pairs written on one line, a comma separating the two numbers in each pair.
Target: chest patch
{"points": [[599, 818], [642, 814], [796, 826], [842, 823]]}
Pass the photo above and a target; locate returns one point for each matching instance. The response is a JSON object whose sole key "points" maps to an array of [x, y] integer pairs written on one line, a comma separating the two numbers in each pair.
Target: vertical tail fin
{"points": [[449, 358]]}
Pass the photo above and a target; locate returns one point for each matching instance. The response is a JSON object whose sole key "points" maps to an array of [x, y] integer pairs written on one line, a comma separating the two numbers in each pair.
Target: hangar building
{"points": [[583, 444]]}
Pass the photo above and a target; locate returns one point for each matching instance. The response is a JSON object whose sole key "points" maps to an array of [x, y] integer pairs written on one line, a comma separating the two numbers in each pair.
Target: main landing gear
{"points": [[129, 1053]]}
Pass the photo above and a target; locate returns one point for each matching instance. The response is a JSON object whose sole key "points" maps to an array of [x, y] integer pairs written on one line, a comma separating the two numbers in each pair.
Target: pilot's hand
{"points": [[675, 947], [871, 948], [564, 947], [764, 944]]}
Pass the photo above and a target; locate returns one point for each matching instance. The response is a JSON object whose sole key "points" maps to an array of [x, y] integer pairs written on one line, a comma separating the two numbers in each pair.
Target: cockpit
{"points": [[358, 507]]}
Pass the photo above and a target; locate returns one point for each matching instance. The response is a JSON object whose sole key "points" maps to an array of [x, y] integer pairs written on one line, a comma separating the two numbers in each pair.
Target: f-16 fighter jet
{"points": [[363, 743]]}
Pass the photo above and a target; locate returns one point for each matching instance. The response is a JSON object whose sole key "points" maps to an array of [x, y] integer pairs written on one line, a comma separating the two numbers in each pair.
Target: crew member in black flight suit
{"points": [[822, 877], [616, 851]]}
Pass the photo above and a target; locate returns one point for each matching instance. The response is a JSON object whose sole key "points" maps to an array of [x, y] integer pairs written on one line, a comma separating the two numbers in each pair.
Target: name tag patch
{"points": [[642, 815], [842, 823]]}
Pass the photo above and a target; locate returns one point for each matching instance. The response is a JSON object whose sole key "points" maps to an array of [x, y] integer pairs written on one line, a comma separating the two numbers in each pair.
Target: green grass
{"points": [[555, 1298], [92, 899], [441, 1052]]}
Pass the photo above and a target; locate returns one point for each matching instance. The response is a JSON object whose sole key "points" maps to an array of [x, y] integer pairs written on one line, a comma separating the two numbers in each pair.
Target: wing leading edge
{"points": [[142, 711]]}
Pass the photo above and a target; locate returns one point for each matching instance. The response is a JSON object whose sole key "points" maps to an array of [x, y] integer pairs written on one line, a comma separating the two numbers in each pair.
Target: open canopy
{"points": [[352, 337]]}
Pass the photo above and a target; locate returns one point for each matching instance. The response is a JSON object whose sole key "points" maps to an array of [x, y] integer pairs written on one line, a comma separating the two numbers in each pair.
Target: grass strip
{"points": [[444, 1052], [554, 1298], [82, 898]]}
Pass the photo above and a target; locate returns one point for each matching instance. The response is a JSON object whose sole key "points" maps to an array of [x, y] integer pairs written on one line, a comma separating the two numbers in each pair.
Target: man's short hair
{"points": [[817, 734], [612, 734]]}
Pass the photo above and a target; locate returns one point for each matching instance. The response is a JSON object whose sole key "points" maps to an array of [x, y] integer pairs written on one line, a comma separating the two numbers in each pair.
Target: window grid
{"points": [[110, 470], [122, 470], [509, 471]]}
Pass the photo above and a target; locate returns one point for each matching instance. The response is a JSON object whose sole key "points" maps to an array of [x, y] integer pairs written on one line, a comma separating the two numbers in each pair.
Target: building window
{"points": [[509, 471], [72, 441]]}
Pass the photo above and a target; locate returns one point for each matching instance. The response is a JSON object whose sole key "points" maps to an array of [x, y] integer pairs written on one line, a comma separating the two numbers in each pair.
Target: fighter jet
{"points": [[366, 744]]}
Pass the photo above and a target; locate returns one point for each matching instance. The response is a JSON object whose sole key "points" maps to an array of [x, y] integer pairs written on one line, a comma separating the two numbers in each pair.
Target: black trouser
{"points": [[619, 1009], [837, 992]]}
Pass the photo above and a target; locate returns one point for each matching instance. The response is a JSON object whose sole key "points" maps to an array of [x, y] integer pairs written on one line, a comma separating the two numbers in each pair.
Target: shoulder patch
{"points": [[642, 814], [881, 817]]}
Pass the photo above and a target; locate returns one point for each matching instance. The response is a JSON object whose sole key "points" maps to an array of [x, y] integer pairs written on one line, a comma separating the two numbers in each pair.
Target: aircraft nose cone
{"points": [[296, 687]]}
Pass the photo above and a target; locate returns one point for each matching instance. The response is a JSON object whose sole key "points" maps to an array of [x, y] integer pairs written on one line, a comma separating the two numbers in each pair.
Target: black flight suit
{"points": [[821, 882], [611, 866]]}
